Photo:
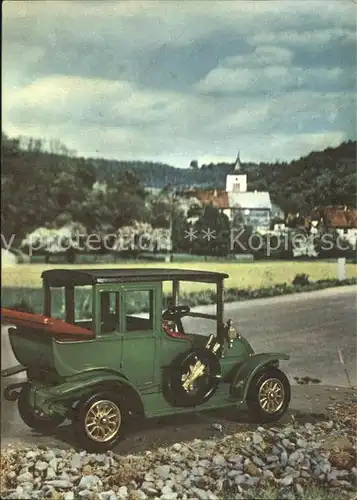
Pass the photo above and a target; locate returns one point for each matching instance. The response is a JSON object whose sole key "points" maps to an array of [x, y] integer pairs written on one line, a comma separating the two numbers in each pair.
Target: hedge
{"points": [[34, 299]]}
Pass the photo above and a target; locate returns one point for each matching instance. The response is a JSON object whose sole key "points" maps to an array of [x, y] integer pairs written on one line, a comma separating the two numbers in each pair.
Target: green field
{"points": [[242, 275]]}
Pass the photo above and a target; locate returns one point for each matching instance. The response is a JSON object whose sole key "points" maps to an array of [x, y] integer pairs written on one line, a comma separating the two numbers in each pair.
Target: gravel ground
{"points": [[288, 459]]}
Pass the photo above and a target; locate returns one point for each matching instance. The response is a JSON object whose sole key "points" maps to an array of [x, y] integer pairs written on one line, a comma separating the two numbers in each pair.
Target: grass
{"points": [[243, 275], [246, 281]]}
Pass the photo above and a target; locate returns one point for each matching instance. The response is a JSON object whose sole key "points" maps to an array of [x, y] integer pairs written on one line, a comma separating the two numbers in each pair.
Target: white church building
{"points": [[252, 208]]}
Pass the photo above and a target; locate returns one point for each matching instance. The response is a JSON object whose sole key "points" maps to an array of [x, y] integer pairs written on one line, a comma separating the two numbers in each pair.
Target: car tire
{"points": [[269, 395], [34, 419], [173, 389], [94, 432]]}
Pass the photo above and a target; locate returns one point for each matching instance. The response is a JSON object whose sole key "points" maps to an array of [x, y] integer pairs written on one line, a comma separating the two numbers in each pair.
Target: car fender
{"points": [[247, 370], [78, 385]]}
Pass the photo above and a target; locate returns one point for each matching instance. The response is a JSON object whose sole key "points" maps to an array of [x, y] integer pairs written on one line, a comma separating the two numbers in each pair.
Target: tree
{"points": [[213, 229], [178, 234]]}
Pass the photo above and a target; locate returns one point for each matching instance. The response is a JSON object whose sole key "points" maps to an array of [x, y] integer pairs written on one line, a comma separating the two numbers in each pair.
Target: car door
{"points": [[140, 333]]}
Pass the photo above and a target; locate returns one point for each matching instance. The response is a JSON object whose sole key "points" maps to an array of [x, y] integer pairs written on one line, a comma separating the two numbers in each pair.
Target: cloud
{"points": [[267, 55], [305, 37], [273, 79], [101, 102], [178, 80]]}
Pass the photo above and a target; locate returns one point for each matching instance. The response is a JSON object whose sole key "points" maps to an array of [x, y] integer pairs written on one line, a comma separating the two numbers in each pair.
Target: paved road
{"points": [[310, 327]]}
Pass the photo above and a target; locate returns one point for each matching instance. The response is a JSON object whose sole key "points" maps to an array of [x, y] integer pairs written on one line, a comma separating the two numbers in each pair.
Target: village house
{"points": [[339, 219]]}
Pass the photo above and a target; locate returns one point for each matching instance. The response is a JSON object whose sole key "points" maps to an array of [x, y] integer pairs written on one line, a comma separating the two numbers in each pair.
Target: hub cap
{"points": [[102, 421], [271, 395]]}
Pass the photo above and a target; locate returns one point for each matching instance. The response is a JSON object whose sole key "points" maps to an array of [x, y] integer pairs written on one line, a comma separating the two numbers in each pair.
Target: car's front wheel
{"points": [[97, 422], [268, 396]]}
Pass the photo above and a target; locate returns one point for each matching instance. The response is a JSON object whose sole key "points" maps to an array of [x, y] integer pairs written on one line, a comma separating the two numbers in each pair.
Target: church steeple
{"points": [[237, 166], [236, 180]]}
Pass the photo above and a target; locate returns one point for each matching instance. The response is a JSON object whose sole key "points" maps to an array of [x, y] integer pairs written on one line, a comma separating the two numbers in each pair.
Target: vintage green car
{"points": [[104, 350]]}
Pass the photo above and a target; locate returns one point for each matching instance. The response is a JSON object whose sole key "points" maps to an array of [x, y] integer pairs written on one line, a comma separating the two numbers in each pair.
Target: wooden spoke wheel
{"points": [[98, 421], [269, 395]]}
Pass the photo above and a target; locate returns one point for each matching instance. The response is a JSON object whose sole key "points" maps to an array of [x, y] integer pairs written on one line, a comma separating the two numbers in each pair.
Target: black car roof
{"points": [[82, 277]]}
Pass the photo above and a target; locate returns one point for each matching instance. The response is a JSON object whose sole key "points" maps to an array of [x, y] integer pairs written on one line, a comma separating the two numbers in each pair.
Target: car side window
{"points": [[139, 307], [58, 303], [110, 312], [83, 312]]}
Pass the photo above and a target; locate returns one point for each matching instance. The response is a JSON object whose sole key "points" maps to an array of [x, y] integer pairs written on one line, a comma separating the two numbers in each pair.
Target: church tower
{"points": [[236, 181]]}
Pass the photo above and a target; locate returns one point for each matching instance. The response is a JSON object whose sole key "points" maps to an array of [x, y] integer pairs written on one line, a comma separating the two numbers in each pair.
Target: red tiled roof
{"points": [[211, 196], [337, 217]]}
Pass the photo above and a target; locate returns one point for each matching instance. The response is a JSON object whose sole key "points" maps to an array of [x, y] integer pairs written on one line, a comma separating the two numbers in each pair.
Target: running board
{"points": [[14, 370]]}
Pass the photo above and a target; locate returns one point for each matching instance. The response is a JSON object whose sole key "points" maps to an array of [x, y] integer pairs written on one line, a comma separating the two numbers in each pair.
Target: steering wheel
{"points": [[175, 313]]}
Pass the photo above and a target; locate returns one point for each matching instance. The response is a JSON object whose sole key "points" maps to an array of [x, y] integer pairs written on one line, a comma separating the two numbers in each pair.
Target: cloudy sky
{"points": [[179, 80]]}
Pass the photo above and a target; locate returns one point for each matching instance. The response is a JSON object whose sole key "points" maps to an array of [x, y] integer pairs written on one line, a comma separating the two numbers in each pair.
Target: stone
{"points": [[49, 455], [234, 473], [140, 495], [295, 457], [286, 481], [204, 463], [76, 461], [200, 494], [219, 460], [163, 471], [257, 438], [268, 474], [301, 443], [51, 474], [336, 444], [239, 479], [288, 444], [69, 495], [169, 496], [26, 476], [327, 425], [60, 483], [211, 496], [41, 466], [257, 461], [342, 460], [284, 458], [53, 464], [87, 470], [84, 494], [251, 469], [299, 489], [123, 492], [89, 482]]}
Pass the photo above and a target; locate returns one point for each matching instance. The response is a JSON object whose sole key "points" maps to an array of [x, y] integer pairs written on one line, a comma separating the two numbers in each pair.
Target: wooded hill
{"points": [[45, 185], [322, 178]]}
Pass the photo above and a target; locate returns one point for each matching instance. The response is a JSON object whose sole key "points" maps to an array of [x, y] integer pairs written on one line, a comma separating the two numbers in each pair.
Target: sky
{"points": [[175, 81]]}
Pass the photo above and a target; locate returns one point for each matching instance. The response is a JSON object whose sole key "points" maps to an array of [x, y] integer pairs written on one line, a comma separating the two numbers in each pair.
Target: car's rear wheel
{"points": [[268, 396], [97, 422], [35, 419]]}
